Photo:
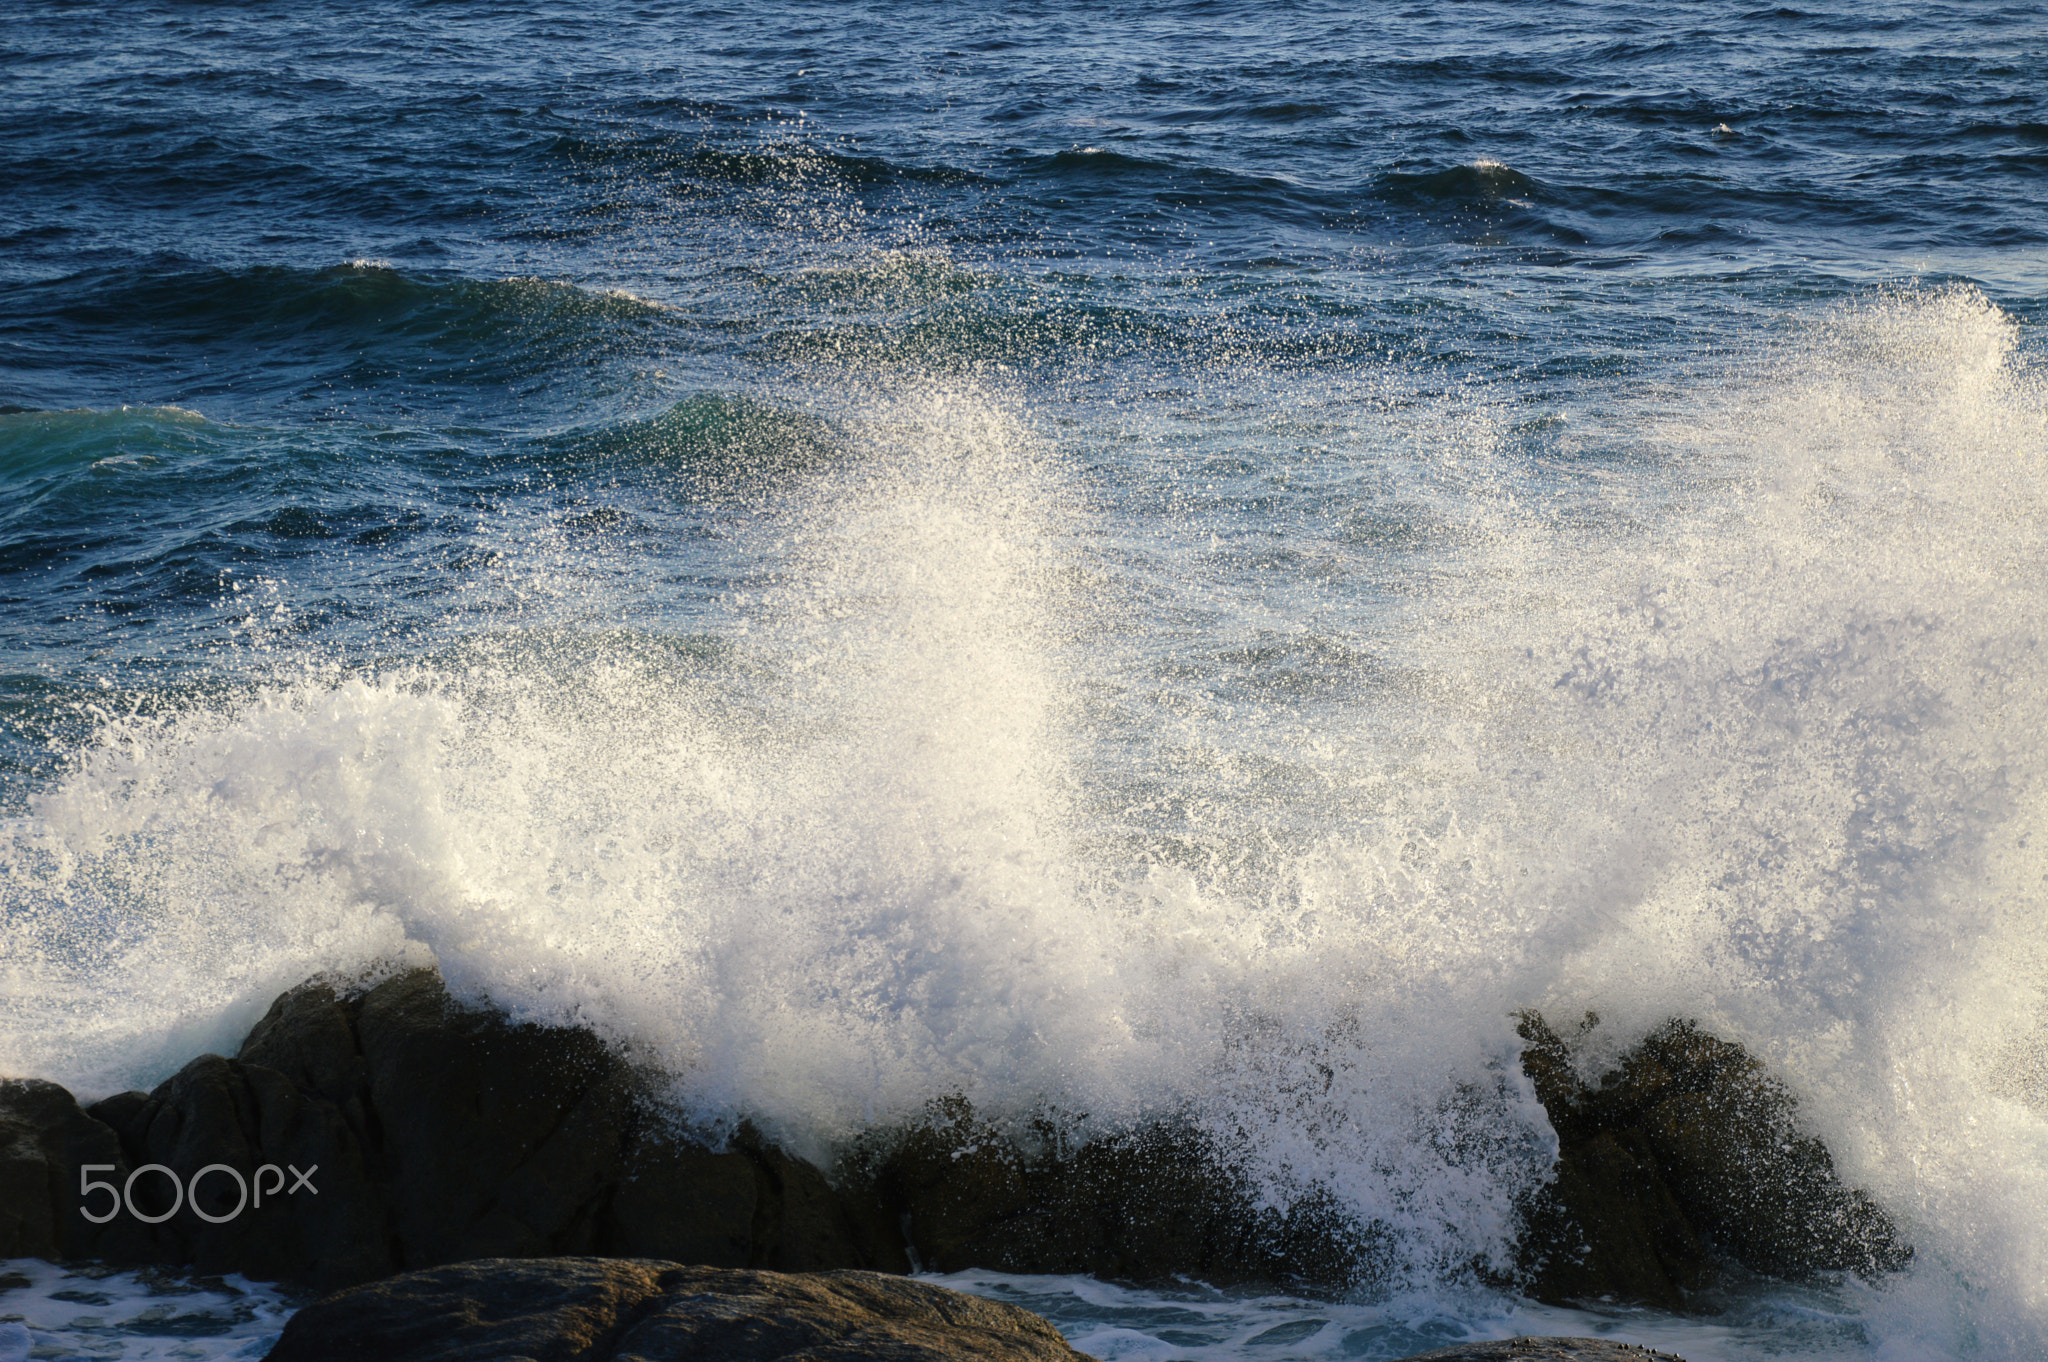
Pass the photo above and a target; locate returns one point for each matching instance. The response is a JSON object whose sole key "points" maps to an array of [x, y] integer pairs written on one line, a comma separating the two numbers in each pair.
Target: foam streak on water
{"points": [[52, 1312]]}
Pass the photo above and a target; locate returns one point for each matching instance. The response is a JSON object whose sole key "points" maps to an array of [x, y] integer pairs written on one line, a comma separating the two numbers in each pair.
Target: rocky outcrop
{"points": [[613, 1310], [1682, 1161], [44, 1140], [1146, 1205], [1679, 1171], [357, 1136], [597, 1310], [430, 1133], [352, 1138]]}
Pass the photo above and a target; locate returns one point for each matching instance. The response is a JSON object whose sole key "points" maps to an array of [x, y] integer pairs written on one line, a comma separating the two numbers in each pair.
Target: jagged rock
{"points": [[1529, 1349], [595, 1310], [1144, 1205], [1685, 1157], [430, 1133]]}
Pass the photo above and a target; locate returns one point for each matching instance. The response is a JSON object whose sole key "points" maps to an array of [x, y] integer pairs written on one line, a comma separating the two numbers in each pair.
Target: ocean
{"points": [[1114, 560]]}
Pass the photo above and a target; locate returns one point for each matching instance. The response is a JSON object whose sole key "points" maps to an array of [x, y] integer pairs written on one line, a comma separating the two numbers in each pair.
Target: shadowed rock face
{"points": [[438, 1134], [1683, 1158], [442, 1134], [596, 1310], [1141, 1206], [44, 1140], [433, 1133]]}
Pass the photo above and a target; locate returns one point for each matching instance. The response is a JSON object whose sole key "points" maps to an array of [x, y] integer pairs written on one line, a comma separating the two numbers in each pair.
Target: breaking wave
{"points": [[948, 797]]}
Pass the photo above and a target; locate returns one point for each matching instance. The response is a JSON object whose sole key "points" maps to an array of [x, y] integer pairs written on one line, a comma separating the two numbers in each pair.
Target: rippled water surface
{"points": [[1116, 560]]}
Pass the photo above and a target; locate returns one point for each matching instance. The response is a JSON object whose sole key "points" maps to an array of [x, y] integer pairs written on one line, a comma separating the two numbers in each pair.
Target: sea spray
{"points": [[1803, 739], [1746, 739]]}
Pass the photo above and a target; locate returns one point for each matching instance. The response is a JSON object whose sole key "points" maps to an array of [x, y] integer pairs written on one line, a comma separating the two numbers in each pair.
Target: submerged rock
{"points": [[595, 1310], [1685, 1157], [1546, 1350]]}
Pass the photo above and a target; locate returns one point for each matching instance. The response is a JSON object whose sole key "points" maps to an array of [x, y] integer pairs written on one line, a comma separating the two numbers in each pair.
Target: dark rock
{"points": [[1685, 1158], [1546, 1350], [805, 1224], [593, 1310], [428, 1133], [684, 1203], [45, 1141], [498, 1140], [394, 1129], [1142, 1205], [251, 1214], [309, 1036], [31, 1178]]}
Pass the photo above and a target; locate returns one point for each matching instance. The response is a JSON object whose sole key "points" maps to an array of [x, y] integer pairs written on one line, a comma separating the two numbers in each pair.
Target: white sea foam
{"points": [[1745, 732], [49, 1312], [1192, 1323]]}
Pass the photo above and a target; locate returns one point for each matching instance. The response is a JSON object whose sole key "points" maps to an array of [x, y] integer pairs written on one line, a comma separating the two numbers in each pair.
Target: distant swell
{"points": [[352, 324]]}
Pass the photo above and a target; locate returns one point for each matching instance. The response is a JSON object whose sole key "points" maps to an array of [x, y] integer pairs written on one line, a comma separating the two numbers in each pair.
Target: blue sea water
{"points": [[1111, 558]]}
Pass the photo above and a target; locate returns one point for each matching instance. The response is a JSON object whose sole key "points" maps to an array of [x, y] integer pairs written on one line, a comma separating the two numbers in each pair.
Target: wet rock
{"points": [[309, 1036], [594, 1310], [235, 1138], [497, 1140], [1546, 1350], [1143, 1205], [806, 1224], [1687, 1157], [357, 1136], [45, 1140], [432, 1133], [31, 1177], [684, 1203], [426, 1133]]}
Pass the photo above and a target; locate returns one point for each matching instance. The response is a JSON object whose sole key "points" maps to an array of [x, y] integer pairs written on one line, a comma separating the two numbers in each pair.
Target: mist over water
{"points": [[1193, 594]]}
